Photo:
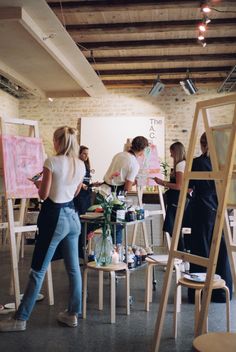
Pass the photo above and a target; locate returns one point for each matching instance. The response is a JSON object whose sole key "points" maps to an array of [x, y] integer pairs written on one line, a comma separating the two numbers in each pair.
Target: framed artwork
{"points": [[22, 158]]}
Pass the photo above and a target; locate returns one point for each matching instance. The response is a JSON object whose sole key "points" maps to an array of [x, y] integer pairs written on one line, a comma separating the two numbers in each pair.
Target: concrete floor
{"points": [[129, 333]]}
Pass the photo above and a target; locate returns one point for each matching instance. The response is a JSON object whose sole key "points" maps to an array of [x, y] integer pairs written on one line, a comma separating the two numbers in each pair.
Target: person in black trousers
{"points": [[84, 199], [203, 212], [177, 152]]}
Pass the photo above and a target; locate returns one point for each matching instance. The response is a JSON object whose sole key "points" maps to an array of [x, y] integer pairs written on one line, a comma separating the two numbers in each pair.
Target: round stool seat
{"points": [[219, 283], [215, 341], [110, 267]]}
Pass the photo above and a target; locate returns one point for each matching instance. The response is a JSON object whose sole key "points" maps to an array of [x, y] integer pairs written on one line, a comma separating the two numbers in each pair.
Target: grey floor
{"points": [[129, 333]]}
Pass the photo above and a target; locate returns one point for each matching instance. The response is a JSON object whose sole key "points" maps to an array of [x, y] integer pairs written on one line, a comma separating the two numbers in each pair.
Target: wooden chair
{"points": [[198, 287], [111, 269]]}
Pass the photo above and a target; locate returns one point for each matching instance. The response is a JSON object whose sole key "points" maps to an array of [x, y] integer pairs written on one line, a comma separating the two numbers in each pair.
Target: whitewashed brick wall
{"points": [[177, 108], [9, 106]]}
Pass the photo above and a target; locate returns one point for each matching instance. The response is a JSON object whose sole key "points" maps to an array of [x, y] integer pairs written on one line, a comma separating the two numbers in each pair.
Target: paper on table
{"points": [[199, 277]]}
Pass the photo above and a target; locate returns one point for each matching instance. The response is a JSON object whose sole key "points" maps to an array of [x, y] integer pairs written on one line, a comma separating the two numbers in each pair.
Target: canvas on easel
{"points": [[21, 158], [149, 168]]}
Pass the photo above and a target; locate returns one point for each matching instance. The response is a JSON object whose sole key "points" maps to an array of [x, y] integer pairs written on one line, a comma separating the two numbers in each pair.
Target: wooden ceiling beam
{"points": [[160, 58], [141, 44], [150, 82], [169, 71], [124, 5], [144, 27]]}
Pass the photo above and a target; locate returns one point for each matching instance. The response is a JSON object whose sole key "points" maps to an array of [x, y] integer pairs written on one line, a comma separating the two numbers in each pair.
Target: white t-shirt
{"points": [[67, 174], [126, 165], [180, 166]]}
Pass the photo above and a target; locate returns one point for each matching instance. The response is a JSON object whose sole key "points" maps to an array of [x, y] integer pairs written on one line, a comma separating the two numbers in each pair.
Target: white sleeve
{"points": [[180, 166], [48, 164], [133, 172], [82, 170]]}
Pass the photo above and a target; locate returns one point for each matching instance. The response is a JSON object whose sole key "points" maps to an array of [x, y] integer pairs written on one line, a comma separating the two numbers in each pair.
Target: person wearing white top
{"points": [[177, 152], [125, 167], [123, 170], [58, 226]]}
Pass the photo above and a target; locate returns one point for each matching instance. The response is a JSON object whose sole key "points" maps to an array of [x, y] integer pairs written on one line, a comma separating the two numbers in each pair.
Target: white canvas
{"points": [[106, 136]]}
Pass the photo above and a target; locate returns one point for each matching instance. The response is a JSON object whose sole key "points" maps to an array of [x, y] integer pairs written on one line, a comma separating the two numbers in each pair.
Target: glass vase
{"points": [[103, 250]]}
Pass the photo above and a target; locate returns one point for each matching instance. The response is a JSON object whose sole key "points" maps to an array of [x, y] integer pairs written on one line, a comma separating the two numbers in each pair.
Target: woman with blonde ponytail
{"points": [[58, 228]]}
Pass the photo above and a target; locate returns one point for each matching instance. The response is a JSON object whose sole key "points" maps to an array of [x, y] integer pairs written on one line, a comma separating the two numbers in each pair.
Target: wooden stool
{"points": [[160, 260], [198, 287], [111, 269], [215, 341]]}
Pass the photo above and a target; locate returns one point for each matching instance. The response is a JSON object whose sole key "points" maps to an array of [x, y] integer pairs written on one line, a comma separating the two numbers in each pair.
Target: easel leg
{"points": [[140, 204], [50, 285], [14, 257]]}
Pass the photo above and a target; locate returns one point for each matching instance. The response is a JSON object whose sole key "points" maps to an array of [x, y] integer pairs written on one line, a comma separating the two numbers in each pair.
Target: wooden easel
{"points": [[155, 212], [16, 228], [224, 173]]}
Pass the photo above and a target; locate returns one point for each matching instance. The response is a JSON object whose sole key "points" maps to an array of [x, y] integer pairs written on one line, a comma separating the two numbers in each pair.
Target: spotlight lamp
{"points": [[207, 20], [202, 27], [157, 87], [205, 8], [188, 85], [201, 36]]}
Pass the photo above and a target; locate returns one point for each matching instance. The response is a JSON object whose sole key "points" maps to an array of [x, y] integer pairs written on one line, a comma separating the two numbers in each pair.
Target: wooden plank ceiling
{"points": [[131, 42]]}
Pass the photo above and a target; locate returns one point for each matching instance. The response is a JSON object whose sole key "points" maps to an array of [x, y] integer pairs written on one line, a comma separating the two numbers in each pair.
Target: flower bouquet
{"points": [[104, 245]]}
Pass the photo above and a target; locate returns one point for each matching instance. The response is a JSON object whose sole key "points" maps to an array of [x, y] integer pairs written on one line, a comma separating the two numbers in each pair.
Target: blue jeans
{"points": [[67, 232]]}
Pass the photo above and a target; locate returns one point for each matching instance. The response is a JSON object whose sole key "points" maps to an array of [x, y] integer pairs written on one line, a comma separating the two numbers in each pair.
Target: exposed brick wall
{"points": [[173, 104], [177, 108], [8, 105], [9, 108]]}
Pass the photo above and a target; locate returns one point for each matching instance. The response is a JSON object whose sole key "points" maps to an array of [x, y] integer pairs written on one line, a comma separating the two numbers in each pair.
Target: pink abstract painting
{"points": [[149, 166], [22, 158]]}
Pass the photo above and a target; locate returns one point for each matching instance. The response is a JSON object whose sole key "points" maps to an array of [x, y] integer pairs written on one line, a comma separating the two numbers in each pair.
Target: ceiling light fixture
{"points": [[207, 20], [205, 8], [157, 88], [188, 85], [202, 27], [201, 36]]}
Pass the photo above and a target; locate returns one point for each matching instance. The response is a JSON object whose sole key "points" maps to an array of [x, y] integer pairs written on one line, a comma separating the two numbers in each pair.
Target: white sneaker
{"points": [[68, 319], [12, 325]]}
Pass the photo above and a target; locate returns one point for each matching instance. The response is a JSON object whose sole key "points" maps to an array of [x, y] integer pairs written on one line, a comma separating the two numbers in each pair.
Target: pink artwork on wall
{"points": [[22, 158], [149, 167]]}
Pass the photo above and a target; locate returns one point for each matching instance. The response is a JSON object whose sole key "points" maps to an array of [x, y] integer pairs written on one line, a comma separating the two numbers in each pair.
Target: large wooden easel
{"points": [[224, 174], [16, 228]]}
